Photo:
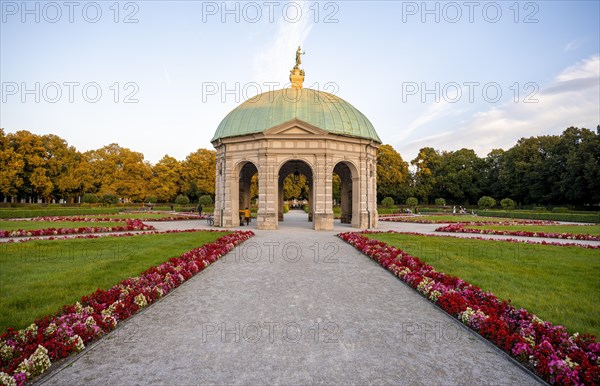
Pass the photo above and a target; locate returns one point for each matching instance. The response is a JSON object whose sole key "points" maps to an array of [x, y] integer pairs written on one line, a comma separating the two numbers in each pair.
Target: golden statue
{"points": [[298, 59], [296, 74]]}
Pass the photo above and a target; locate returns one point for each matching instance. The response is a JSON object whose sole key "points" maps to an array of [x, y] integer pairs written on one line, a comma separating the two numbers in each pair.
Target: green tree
{"points": [[90, 198], [387, 202], [205, 200], [491, 182], [182, 200], [440, 202], [486, 202], [393, 178], [507, 204], [427, 164], [109, 199], [458, 176], [412, 202], [580, 181]]}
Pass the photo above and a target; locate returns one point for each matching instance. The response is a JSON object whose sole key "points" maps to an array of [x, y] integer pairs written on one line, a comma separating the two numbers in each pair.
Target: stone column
{"points": [[266, 217], [323, 207], [222, 213], [280, 198]]}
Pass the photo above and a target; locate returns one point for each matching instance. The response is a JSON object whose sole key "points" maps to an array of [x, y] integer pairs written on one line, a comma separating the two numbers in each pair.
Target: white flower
{"points": [[90, 322], [434, 295], [6, 351], [32, 329], [78, 308], [79, 346], [140, 300], [7, 380], [570, 363], [424, 286], [50, 329], [36, 364]]}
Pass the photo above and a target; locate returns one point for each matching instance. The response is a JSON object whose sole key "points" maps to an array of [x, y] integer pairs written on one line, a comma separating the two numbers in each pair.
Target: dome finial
{"points": [[296, 74]]}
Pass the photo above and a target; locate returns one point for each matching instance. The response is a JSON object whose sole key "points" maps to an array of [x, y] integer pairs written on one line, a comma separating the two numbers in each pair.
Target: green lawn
{"points": [[28, 213], [577, 229], [33, 225], [38, 277], [559, 284], [460, 218]]}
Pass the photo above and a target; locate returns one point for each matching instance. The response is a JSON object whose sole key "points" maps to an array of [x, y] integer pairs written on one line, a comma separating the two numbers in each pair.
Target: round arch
{"points": [[294, 165], [349, 191]]}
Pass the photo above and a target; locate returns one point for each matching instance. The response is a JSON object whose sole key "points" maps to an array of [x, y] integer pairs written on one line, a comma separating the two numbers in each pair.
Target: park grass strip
{"points": [[27, 353], [449, 219], [131, 225], [590, 217], [532, 242], [463, 228], [157, 216], [116, 218], [122, 234], [548, 350]]}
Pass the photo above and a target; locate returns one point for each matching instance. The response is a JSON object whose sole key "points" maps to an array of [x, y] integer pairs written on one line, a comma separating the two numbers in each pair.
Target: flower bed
{"points": [[547, 350], [461, 228], [26, 353], [131, 225]]}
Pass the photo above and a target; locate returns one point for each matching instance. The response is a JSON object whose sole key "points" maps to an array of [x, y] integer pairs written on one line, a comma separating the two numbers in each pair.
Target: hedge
{"points": [[593, 217], [27, 213]]}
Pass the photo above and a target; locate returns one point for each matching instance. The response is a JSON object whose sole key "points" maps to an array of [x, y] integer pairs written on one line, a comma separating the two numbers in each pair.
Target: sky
{"points": [[157, 77]]}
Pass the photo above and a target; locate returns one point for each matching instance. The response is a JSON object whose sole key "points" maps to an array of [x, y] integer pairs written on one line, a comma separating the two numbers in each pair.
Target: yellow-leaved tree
{"points": [[118, 170], [166, 179], [198, 174]]}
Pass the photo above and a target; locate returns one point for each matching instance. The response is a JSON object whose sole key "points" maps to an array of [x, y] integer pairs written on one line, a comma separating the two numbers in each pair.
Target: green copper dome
{"points": [[323, 110]]}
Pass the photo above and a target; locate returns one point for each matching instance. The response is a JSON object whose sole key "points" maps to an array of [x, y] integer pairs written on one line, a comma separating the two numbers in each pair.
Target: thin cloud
{"points": [[273, 63], [434, 111], [573, 45], [571, 99]]}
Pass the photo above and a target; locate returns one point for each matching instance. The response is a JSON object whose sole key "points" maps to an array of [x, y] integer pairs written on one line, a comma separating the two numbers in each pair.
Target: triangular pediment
{"points": [[295, 127]]}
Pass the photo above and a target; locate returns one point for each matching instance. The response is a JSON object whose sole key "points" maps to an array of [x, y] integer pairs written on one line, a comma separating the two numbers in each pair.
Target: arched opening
{"points": [[295, 189], [247, 191], [345, 192]]}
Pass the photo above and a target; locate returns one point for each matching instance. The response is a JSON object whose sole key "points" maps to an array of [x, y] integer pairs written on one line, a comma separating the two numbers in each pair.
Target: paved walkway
{"points": [[292, 306]]}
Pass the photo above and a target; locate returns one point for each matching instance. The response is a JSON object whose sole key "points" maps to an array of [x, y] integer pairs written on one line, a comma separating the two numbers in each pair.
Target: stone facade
{"points": [[284, 149]]}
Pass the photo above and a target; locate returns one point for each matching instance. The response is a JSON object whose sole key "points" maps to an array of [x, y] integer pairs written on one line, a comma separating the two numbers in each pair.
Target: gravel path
{"points": [[292, 306]]}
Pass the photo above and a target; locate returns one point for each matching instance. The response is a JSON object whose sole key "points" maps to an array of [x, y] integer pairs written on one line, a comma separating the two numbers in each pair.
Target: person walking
{"points": [[199, 210], [247, 216]]}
